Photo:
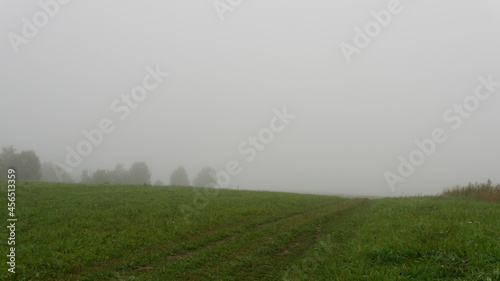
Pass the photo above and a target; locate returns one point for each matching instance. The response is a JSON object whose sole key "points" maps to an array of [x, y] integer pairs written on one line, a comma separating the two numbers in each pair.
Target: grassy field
{"points": [[107, 232]]}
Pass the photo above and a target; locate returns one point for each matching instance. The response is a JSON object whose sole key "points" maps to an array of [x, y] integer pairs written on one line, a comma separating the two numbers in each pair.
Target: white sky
{"points": [[353, 119]]}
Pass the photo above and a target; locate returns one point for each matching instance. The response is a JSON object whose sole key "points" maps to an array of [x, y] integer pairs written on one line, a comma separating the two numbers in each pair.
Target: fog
{"points": [[354, 113]]}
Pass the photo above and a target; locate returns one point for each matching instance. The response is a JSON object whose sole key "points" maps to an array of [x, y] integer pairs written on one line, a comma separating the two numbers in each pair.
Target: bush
{"points": [[483, 191]]}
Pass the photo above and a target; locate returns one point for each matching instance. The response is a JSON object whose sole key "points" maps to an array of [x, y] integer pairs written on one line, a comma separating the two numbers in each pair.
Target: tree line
{"points": [[28, 168], [139, 174]]}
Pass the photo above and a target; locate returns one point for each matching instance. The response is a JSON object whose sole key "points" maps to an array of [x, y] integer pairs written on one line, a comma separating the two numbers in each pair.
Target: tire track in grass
{"points": [[278, 219], [237, 228], [301, 243], [197, 243], [208, 246], [180, 255], [244, 228], [236, 257], [263, 266]]}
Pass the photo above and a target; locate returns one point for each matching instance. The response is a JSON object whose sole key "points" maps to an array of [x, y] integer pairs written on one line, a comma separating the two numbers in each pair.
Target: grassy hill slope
{"points": [[107, 232]]}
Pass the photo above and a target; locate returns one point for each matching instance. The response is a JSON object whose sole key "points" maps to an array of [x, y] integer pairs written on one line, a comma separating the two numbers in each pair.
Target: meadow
{"points": [[112, 232]]}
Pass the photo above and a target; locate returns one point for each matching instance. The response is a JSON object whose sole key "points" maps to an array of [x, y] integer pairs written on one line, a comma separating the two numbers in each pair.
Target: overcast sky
{"points": [[354, 114]]}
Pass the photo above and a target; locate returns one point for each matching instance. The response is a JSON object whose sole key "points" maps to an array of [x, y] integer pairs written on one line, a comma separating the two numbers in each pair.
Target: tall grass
{"points": [[482, 191]]}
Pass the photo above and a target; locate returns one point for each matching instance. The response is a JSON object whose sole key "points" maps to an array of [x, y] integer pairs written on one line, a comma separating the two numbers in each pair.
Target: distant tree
{"points": [[205, 178], [139, 174], [101, 176], [119, 174], [159, 183], [49, 175], [86, 176], [489, 183], [179, 177], [26, 164], [7, 157], [29, 165]]}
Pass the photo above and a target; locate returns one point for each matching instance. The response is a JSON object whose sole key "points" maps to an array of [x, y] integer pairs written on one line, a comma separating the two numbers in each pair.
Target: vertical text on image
{"points": [[11, 207]]}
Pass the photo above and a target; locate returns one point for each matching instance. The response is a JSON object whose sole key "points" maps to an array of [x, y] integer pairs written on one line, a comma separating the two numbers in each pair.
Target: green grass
{"points": [[421, 238], [107, 232]]}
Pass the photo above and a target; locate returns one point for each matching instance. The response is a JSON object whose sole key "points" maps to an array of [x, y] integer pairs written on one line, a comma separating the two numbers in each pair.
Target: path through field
{"points": [[107, 232]]}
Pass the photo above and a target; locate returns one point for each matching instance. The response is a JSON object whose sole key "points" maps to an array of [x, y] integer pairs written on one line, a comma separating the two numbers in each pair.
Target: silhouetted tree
{"points": [[489, 183], [86, 176], [101, 176], [205, 178], [7, 156], [119, 174], [26, 164], [179, 177], [139, 173]]}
